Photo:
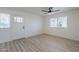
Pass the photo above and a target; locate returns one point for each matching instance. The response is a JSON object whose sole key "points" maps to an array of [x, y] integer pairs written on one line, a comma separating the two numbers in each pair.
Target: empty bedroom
{"points": [[39, 29]]}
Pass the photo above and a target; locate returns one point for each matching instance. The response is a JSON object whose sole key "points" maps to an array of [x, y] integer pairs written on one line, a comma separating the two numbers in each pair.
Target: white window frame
{"points": [[50, 23], [5, 20], [62, 20], [18, 19], [59, 20]]}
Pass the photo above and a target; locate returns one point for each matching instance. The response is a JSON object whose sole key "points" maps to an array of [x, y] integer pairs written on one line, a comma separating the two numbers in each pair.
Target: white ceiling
{"points": [[37, 10]]}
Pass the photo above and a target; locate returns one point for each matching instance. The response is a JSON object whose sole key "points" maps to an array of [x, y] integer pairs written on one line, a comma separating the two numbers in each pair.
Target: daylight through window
{"points": [[4, 20], [18, 19], [58, 22]]}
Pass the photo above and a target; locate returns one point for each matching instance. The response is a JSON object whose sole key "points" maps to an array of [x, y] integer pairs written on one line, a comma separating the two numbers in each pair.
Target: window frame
{"points": [[8, 24], [18, 19], [49, 21]]}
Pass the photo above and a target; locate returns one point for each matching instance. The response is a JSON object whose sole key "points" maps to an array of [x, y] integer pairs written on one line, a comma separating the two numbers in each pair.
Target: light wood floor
{"points": [[40, 43]]}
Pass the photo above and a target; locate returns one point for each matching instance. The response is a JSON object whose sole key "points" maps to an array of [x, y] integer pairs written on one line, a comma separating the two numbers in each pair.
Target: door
{"points": [[18, 29]]}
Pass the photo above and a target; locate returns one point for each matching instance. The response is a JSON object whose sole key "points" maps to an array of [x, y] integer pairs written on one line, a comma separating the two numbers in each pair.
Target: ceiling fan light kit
{"points": [[49, 13]]}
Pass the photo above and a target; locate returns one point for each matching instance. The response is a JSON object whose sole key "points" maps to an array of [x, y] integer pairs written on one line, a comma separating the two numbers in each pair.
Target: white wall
{"points": [[72, 32], [33, 25]]}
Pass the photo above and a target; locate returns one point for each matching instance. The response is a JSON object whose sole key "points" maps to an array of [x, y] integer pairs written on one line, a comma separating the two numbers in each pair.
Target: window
{"points": [[18, 19], [58, 22], [62, 21], [53, 22], [4, 20]]}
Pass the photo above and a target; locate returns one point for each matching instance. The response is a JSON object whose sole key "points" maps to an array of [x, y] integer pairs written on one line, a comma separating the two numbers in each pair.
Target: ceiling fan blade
{"points": [[50, 8], [44, 11], [55, 10]]}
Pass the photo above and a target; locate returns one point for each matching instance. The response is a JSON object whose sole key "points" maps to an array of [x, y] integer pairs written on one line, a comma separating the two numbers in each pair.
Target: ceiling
{"points": [[37, 10]]}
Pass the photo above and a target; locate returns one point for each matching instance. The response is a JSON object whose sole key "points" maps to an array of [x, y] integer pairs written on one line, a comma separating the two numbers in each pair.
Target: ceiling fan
{"points": [[51, 10]]}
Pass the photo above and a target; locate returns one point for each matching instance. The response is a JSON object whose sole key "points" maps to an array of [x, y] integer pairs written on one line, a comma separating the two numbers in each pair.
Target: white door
{"points": [[18, 29]]}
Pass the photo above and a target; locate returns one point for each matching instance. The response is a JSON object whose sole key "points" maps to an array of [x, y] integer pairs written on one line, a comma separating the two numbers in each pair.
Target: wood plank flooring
{"points": [[40, 43]]}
